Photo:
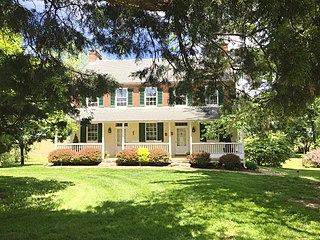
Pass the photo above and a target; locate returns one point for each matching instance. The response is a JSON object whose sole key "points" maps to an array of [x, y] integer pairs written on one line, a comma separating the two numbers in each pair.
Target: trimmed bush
{"points": [[159, 157], [143, 154], [231, 162], [312, 158], [89, 156], [252, 165], [128, 157], [62, 157], [199, 159]]}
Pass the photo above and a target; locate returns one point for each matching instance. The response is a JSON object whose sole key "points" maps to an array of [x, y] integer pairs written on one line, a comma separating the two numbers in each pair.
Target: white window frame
{"points": [[126, 97], [96, 133], [156, 132], [208, 99], [91, 104], [145, 96]]}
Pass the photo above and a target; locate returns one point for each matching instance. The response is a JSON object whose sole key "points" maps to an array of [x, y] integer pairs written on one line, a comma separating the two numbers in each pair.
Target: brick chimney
{"points": [[94, 56]]}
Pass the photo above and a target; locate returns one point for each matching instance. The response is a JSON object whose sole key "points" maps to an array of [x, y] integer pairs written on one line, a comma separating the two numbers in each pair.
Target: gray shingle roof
{"points": [[144, 114], [122, 69]]}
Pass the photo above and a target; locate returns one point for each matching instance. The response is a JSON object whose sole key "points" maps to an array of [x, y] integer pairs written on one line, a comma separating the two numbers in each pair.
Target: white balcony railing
{"points": [[78, 146], [164, 146]]}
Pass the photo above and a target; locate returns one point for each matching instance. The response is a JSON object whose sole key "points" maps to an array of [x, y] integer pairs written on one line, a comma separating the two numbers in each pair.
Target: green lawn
{"points": [[39, 202]]}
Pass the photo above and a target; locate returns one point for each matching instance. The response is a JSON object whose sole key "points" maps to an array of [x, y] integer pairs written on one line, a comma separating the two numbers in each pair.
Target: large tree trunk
{"points": [[21, 154]]}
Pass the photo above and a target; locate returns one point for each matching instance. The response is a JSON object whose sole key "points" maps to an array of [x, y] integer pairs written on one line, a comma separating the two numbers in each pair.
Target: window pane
{"points": [[93, 132], [151, 131], [92, 102], [122, 97], [151, 96]]}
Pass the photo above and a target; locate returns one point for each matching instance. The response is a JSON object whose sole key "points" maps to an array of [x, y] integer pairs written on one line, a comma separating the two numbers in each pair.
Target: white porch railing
{"points": [[164, 146], [216, 150], [78, 146]]}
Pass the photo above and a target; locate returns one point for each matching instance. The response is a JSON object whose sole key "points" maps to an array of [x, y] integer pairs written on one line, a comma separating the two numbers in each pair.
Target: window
{"points": [[122, 97], [92, 102], [151, 96], [92, 133], [181, 100], [212, 98], [151, 131]]}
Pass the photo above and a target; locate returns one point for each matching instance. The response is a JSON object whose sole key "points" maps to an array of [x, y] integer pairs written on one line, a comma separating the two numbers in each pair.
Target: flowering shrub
{"points": [[159, 157], [230, 161], [89, 156], [128, 157], [199, 159], [312, 158], [62, 156], [143, 154]]}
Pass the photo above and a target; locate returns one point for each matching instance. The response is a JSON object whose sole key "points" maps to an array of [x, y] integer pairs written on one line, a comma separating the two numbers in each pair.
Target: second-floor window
{"points": [[212, 98], [92, 102], [92, 133], [151, 96], [181, 100], [122, 97]]}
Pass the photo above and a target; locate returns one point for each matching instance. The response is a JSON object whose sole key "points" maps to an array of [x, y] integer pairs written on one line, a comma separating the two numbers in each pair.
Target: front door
{"points": [[181, 140], [119, 138]]}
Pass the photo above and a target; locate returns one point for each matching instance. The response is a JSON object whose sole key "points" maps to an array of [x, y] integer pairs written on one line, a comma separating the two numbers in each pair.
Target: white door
{"points": [[119, 138], [181, 141]]}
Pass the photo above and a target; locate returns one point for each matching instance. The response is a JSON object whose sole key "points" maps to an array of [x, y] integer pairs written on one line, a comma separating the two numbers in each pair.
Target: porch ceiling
{"points": [[138, 114]]}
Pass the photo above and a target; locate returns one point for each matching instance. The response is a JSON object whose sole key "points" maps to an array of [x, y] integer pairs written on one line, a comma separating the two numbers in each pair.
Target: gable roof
{"points": [[121, 70]]}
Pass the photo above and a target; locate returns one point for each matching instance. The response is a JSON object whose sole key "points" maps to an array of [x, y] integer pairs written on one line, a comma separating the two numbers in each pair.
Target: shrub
{"points": [[127, 157], [62, 157], [199, 159], [251, 165], [272, 150], [230, 161], [159, 157], [312, 158], [143, 154], [89, 156]]}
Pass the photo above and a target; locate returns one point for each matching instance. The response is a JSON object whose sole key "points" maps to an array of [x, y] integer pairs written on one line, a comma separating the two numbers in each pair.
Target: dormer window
{"points": [[151, 96], [122, 97], [92, 102]]}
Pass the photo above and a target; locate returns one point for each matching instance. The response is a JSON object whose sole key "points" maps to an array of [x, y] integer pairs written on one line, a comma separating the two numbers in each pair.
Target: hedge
{"points": [[88, 156]]}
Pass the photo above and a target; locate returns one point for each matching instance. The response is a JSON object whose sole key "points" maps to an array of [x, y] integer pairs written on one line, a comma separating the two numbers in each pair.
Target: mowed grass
{"points": [[39, 202]]}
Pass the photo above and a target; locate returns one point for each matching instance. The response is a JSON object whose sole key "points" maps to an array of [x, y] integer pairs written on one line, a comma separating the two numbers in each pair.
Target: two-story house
{"points": [[138, 115]]}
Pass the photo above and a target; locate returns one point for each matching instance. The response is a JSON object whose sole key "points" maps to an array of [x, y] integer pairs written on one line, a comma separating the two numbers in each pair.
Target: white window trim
{"points": [[88, 101], [217, 96], [87, 133], [116, 99], [145, 97], [145, 133]]}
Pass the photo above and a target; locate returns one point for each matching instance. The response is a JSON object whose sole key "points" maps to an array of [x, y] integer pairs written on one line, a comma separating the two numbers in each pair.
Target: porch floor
{"points": [[175, 161]]}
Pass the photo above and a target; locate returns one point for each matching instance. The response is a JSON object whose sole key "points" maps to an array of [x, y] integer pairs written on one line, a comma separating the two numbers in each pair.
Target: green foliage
{"points": [[312, 158], [143, 154], [231, 162], [272, 150], [128, 157], [252, 165], [62, 157], [199, 159]]}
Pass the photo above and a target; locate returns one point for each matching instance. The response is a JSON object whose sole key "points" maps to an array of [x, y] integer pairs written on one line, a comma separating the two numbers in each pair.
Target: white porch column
{"points": [[122, 139], [56, 141], [190, 132], [102, 142], [242, 143], [170, 140]]}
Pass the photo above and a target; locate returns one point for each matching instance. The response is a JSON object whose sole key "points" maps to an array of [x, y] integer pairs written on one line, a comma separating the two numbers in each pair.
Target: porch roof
{"points": [[138, 114]]}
